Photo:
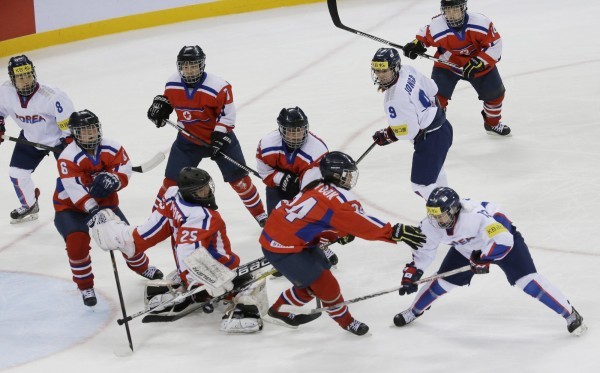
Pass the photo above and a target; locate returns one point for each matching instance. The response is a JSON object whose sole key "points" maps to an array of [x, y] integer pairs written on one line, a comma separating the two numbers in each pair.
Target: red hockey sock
{"points": [[295, 296], [492, 111], [78, 250], [328, 290], [443, 101], [249, 195]]}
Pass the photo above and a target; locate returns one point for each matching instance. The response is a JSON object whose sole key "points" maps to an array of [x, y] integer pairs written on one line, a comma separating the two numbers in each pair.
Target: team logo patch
{"points": [[401, 130], [435, 211], [495, 229], [379, 65], [64, 125]]}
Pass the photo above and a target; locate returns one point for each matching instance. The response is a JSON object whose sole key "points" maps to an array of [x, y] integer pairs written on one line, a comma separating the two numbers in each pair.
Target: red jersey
{"points": [[476, 38], [204, 108], [192, 227], [300, 223], [77, 169], [274, 159]]}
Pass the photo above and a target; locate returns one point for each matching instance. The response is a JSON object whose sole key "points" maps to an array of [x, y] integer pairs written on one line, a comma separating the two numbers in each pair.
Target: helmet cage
{"points": [[86, 130], [21, 67], [385, 67], [443, 206], [191, 71], [197, 187], [442, 219], [347, 179], [294, 136], [340, 169], [454, 12]]}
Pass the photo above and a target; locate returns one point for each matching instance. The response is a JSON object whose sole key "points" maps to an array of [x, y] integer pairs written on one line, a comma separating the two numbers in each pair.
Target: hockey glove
{"points": [[412, 236], [479, 266], [160, 110], [414, 49], [345, 240], [472, 67], [289, 185], [385, 136], [410, 274], [2, 129], [104, 184], [218, 142]]}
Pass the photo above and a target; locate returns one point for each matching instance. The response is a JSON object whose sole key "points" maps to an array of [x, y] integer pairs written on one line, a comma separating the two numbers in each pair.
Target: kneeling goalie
{"points": [[188, 214]]}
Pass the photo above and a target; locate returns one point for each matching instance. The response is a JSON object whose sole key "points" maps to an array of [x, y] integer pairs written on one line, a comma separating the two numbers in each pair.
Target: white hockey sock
{"points": [[24, 186], [541, 289]]}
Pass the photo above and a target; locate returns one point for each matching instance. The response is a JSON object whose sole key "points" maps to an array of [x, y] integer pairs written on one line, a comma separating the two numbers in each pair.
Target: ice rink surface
{"points": [[546, 176]]}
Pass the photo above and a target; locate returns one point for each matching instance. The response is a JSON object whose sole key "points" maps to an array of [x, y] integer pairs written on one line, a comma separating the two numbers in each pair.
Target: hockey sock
{"points": [[249, 195], [167, 183], [327, 288], [137, 263], [492, 111], [295, 296], [443, 101], [429, 293], [23, 184], [78, 250], [541, 289]]}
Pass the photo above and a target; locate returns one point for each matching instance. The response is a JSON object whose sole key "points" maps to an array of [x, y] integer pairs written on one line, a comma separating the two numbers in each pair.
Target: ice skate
{"points": [[24, 214], [289, 319], [152, 273], [405, 317], [357, 328], [89, 297], [575, 323]]}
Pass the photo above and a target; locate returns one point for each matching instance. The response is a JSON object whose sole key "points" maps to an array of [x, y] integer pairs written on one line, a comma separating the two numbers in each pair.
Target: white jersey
{"points": [[43, 116], [479, 226], [409, 105]]}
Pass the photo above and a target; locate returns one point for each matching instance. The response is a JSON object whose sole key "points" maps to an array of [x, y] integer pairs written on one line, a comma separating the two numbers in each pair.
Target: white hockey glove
{"points": [[111, 233], [203, 269]]}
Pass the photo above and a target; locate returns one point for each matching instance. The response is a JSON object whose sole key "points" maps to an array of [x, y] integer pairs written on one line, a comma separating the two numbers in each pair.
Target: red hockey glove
{"points": [[409, 276], [384, 136], [478, 266]]}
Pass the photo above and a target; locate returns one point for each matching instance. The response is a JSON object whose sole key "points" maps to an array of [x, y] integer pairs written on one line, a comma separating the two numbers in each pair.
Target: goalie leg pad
{"points": [[242, 319], [204, 269], [255, 295]]}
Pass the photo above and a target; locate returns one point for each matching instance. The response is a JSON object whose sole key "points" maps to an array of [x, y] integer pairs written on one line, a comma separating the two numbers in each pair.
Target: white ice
{"points": [[546, 175]]}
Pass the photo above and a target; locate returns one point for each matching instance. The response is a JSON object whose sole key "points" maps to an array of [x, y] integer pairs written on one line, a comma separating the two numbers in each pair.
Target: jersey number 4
{"points": [[300, 210]]}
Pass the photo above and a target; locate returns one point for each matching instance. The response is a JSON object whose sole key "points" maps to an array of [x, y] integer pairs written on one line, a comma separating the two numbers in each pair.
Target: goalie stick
{"points": [[335, 17], [299, 310], [228, 158], [144, 167], [249, 267]]}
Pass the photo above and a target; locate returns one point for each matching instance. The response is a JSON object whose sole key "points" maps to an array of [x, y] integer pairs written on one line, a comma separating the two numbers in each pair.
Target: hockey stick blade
{"points": [[300, 310], [335, 17], [150, 164]]}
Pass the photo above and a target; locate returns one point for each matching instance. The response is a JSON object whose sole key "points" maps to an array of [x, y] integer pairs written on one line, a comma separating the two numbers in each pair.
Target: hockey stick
{"points": [[304, 311], [144, 167], [114, 264], [196, 138], [366, 152], [249, 267], [335, 17]]}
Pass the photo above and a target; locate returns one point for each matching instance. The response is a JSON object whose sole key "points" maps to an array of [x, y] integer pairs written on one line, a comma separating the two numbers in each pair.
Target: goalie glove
{"points": [[203, 269], [111, 233]]}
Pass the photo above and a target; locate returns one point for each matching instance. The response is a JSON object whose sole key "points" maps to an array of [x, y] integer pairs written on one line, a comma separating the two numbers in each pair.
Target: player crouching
{"points": [[188, 214]]}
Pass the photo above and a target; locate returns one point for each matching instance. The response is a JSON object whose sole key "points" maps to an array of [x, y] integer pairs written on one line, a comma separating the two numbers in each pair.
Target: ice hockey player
{"points": [[413, 115], [291, 236], [204, 106], [92, 170], [480, 234], [42, 111], [285, 155], [188, 214], [469, 40]]}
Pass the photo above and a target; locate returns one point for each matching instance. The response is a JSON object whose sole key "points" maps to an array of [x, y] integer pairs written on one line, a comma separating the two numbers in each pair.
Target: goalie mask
{"points": [[385, 67], [197, 187], [454, 12], [22, 75], [86, 129], [293, 127], [339, 169], [443, 206], [190, 64]]}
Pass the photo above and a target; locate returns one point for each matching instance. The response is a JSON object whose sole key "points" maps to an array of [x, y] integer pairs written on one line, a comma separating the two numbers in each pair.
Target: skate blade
{"points": [[24, 219], [579, 331], [274, 321]]}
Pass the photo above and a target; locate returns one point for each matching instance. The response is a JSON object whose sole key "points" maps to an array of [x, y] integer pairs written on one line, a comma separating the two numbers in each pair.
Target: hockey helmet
{"points": [[293, 127], [443, 206], [454, 12], [22, 75], [197, 187], [385, 67], [86, 129], [190, 64], [339, 169]]}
